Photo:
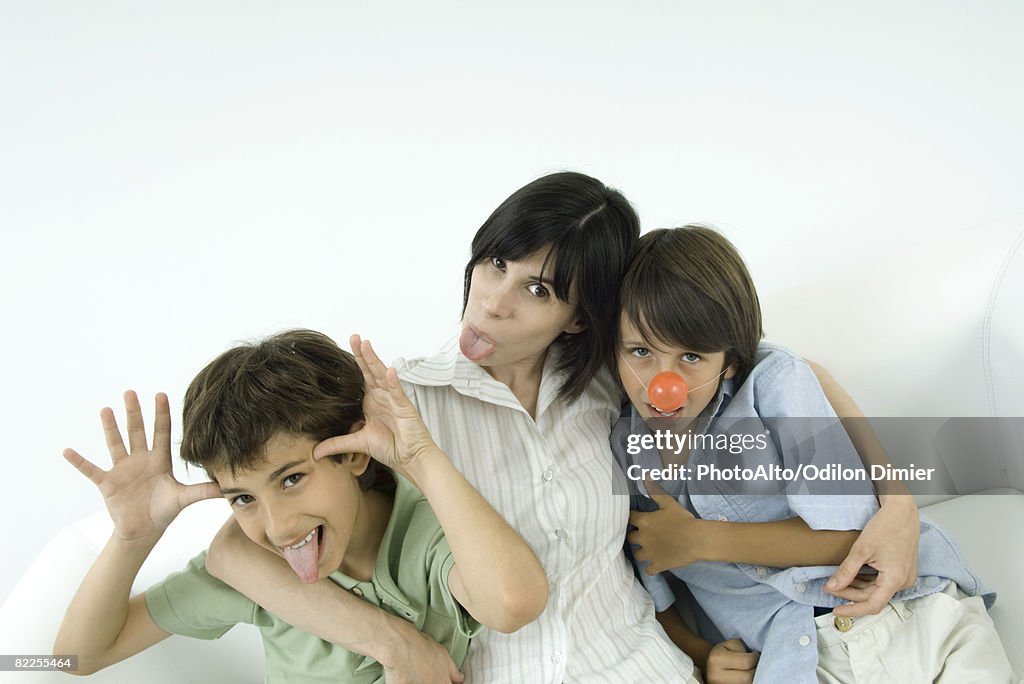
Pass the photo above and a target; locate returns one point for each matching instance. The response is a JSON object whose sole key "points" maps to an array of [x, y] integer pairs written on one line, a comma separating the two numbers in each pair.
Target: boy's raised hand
{"points": [[394, 433], [139, 490]]}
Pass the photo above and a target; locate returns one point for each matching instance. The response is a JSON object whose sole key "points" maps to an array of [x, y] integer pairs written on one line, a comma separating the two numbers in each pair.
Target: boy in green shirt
{"points": [[251, 420]]}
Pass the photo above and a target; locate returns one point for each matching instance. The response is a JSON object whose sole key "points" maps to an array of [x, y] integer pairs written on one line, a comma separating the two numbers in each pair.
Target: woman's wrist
{"points": [[895, 494], [427, 466]]}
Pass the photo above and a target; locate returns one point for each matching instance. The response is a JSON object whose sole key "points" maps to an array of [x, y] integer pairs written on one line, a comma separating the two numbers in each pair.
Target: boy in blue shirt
{"points": [[734, 448]]}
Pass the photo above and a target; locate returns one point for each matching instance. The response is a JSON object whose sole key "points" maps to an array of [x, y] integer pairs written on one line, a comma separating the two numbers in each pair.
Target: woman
{"points": [[523, 405]]}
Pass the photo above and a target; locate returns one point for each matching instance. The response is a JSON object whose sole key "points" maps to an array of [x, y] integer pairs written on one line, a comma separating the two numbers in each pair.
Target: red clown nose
{"points": [[667, 391]]}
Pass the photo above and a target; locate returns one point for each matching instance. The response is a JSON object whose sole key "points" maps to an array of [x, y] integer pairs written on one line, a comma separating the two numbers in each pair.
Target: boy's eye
{"points": [[537, 290], [498, 263], [241, 500], [690, 357], [292, 480], [640, 352]]}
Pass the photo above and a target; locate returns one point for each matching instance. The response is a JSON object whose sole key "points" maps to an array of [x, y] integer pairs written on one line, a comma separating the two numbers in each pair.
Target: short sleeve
{"points": [[411, 578], [195, 604], [441, 566]]}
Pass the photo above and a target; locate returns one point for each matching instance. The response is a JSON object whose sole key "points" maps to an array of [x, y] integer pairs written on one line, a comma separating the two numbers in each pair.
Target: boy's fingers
{"points": [[734, 645], [84, 466], [162, 424], [356, 343], [112, 436], [198, 492], [636, 518], [737, 656], [658, 494], [136, 427], [342, 444]]}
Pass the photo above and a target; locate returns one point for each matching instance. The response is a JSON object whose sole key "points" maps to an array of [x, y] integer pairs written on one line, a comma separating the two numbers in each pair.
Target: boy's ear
{"points": [[359, 463], [731, 370]]}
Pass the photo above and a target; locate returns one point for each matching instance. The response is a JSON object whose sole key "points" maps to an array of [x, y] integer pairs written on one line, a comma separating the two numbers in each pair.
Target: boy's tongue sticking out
{"points": [[304, 557]]}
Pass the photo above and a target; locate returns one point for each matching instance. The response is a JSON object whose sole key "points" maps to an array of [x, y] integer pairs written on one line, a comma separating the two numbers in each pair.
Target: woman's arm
{"points": [[497, 577], [889, 542], [328, 611]]}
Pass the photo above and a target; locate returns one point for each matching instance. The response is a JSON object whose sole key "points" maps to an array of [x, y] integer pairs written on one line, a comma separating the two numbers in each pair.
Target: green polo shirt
{"points": [[409, 580]]}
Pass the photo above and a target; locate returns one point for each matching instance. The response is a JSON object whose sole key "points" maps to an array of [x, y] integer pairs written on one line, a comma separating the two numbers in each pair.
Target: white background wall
{"points": [[177, 176]]}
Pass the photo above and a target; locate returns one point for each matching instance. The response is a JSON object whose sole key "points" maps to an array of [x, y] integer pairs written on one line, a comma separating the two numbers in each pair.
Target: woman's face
{"points": [[512, 315]]}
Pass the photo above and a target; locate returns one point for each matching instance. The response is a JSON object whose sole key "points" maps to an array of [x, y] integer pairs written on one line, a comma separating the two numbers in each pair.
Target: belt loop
{"points": [[902, 609]]}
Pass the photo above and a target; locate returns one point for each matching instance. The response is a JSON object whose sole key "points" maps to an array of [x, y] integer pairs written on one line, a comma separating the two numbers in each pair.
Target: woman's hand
{"points": [[393, 432], [667, 538], [140, 491], [889, 544]]}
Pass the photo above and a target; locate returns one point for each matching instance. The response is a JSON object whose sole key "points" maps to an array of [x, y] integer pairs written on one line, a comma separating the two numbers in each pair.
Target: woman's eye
{"points": [[241, 500], [640, 352], [690, 357], [292, 479], [537, 290], [498, 263]]}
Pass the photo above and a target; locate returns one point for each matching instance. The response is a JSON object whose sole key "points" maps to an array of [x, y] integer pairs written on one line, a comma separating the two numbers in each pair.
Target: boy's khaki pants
{"points": [[943, 637]]}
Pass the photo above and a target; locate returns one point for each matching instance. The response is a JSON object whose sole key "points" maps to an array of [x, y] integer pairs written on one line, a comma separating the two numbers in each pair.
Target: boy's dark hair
{"points": [[689, 287], [592, 231], [297, 382]]}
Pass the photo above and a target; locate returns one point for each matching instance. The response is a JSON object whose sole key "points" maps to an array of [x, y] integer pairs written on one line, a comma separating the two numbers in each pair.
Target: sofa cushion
{"points": [[988, 526]]}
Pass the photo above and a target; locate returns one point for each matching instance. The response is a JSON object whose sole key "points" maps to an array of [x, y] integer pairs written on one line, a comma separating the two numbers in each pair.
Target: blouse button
{"points": [[548, 474], [805, 640], [762, 571], [561, 534], [801, 587], [357, 591], [723, 518]]}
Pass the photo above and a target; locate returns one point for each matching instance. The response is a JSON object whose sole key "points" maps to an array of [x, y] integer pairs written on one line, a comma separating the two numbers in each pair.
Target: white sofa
{"points": [[935, 331]]}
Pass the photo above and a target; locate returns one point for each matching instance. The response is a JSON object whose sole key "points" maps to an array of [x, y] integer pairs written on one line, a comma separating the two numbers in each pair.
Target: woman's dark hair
{"points": [[592, 231], [297, 382], [689, 287]]}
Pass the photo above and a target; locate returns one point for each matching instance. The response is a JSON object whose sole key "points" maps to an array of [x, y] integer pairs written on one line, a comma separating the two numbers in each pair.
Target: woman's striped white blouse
{"points": [[551, 478]]}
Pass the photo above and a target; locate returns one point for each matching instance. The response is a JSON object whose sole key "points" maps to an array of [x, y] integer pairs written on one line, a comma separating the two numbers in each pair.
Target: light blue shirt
{"points": [[772, 609]]}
